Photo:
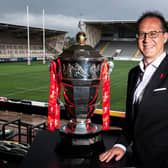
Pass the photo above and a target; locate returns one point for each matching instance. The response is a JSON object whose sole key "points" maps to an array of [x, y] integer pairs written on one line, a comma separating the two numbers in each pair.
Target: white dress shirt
{"points": [[143, 81], [147, 75]]}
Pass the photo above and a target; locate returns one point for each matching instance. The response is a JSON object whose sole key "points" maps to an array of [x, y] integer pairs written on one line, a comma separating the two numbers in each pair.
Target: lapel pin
{"points": [[161, 76]]}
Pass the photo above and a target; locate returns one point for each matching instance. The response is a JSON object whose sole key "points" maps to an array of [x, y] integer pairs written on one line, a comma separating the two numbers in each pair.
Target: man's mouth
{"points": [[148, 47]]}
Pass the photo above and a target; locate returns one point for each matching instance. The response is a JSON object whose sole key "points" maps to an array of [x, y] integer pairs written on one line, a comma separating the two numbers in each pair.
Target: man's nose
{"points": [[146, 37]]}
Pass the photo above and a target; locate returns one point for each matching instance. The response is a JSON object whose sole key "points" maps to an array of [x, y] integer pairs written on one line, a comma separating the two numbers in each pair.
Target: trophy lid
{"points": [[81, 50]]}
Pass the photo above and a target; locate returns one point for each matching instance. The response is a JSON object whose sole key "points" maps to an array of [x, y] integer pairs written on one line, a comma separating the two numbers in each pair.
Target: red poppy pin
{"points": [[161, 76]]}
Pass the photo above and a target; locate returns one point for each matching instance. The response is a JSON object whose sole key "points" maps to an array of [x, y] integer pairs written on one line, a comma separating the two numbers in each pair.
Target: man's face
{"points": [[150, 47]]}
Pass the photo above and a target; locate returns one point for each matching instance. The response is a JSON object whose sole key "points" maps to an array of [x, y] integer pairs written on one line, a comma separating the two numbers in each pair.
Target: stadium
{"points": [[25, 87], [110, 38]]}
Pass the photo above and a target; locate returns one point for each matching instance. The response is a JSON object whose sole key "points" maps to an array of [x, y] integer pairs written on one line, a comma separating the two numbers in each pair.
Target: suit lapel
{"points": [[133, 78], [132, 84], [134, 81]]}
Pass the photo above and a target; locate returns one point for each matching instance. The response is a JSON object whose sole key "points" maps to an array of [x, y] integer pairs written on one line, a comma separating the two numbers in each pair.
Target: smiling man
{"points": [[151, 38], [146, 123]]}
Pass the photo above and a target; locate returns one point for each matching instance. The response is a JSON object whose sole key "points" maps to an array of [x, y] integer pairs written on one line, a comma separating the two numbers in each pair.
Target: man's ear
{"points": [[165, 37]]}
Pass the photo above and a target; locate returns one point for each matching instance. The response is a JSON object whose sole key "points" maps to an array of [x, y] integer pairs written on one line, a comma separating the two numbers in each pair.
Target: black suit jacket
{"points": [[147, 125]]}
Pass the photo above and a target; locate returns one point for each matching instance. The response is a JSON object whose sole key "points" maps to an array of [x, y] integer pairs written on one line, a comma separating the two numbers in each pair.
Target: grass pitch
{"points": [[20, 81]]}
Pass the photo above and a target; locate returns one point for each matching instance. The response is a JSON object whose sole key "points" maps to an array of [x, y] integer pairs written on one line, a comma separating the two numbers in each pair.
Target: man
{"points": [[146, 124]]}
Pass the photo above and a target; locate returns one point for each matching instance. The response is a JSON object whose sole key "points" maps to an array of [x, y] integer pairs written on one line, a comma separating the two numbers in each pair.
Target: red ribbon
{"points": [[106, 96], [54, 96]]}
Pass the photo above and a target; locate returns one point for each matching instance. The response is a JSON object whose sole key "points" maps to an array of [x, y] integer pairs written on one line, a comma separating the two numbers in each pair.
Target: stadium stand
{"points": [[14, 45], [125, 50]]}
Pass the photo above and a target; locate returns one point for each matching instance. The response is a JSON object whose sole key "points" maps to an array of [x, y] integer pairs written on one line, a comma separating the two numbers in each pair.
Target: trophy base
{"points": [[77, 145], [80, 139]]}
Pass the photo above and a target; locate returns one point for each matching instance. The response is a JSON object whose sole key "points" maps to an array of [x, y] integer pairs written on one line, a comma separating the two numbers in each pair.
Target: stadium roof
{"points": [[112, 25], [21, 31]]}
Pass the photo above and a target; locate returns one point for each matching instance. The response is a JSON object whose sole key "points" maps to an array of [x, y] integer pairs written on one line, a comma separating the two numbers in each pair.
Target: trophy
{"points": [[79, 69]]}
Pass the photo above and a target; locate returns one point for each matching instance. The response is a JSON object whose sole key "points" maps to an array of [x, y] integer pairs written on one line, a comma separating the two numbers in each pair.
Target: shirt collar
{"points": [[155, 63]]}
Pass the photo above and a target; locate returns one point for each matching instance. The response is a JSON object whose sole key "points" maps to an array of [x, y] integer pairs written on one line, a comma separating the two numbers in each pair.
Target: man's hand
{"points": [[108, 155]]}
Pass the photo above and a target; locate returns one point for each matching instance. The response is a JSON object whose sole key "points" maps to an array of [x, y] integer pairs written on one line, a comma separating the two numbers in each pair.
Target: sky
{"points": [[65, 14]]}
